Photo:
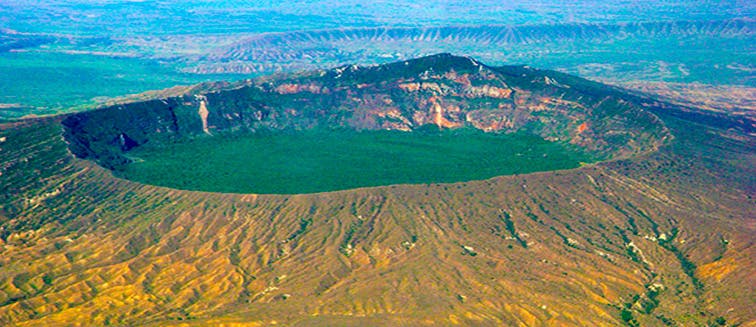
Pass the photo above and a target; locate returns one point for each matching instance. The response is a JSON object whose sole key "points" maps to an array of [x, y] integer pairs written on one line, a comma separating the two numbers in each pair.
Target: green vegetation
{"points": [[346, 244], [509, 224], [46, 83], [622, 60], [319, 160], [720, 321], [627, 318], [688, 267], [303, 224]]}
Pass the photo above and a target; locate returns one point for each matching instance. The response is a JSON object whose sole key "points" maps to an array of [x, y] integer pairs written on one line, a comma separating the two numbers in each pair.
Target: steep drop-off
{"points": [[441, 90]]}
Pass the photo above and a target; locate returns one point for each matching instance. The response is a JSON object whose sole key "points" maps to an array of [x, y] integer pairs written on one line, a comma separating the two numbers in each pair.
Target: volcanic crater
{"points": [[436, 119]]}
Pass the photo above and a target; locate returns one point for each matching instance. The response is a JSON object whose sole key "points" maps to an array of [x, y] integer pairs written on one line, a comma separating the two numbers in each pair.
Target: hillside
{"points": [[659, 234]]}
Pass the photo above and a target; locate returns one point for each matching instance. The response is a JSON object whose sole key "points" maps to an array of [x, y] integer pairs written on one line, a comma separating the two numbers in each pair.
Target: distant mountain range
{"points": [[273, 51]]}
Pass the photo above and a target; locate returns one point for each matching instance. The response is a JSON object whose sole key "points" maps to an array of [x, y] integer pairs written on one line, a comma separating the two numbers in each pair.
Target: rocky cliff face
{"points": [[442, 90]]}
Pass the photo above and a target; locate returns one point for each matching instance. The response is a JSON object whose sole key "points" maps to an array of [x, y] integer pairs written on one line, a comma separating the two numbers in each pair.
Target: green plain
{"points": [[48, 82], [328, 160]]}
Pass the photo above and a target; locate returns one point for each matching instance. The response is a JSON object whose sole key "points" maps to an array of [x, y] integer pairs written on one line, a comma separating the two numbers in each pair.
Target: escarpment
{"points": [[442, 90]]}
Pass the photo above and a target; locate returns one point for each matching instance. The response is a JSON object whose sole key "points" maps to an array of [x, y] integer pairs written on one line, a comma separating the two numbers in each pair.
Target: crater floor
{"points": [[327, 160]]}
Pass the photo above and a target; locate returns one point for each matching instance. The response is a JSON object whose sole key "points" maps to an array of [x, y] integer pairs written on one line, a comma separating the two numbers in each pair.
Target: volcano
{"points": [[655, 227]]}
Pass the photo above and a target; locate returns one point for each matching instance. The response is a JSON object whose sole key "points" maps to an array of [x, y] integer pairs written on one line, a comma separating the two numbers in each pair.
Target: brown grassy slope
{"points": [[558, 248]]}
